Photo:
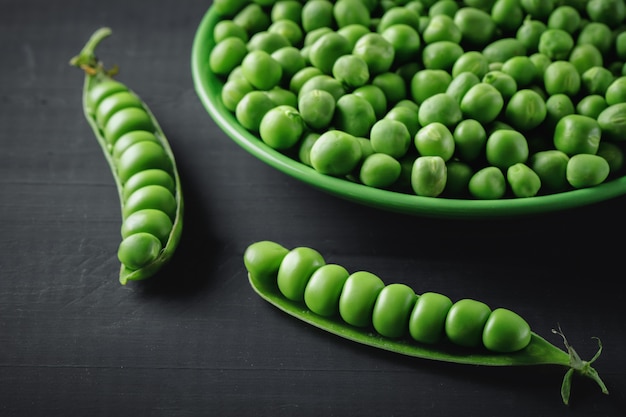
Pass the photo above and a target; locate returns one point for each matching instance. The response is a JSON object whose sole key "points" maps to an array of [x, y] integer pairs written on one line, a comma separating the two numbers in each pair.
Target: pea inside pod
{"points": [[142, 164], [360, 307]]}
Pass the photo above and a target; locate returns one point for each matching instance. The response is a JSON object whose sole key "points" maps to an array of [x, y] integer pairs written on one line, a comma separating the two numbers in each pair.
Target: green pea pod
{"points": [[130, 122], [538, 351]]}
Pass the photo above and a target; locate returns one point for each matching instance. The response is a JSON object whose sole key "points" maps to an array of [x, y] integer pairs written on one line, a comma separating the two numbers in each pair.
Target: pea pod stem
{"points": [[96, 73], [538, 352]]}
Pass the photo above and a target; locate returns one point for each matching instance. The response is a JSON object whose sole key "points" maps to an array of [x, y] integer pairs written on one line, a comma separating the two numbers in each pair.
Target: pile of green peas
{"points": [[482, 99], [144, 168], [362, 299]]}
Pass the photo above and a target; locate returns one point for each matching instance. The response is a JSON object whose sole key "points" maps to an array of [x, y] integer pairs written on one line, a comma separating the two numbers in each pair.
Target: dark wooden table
{"points": [[196, 340]]}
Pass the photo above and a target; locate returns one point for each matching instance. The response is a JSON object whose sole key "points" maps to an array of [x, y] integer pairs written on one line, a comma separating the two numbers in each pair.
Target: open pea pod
{"points": [[263, 261], [138, 153]]}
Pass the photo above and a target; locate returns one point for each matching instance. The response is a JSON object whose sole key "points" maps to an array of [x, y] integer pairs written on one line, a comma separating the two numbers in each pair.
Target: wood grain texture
{"points": [[196, 340]]}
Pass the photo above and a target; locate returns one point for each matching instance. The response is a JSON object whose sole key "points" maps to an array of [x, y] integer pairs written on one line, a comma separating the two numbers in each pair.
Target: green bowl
{"points": [[208, 87]]}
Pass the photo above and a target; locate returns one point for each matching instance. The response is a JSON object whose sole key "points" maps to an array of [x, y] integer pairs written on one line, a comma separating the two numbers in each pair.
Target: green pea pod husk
{"points": [[538, 352], [95, 73]]}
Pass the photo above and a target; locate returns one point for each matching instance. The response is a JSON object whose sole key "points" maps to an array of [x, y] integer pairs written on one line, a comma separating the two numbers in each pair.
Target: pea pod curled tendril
{"points": [[142, 164], [263, 261]]}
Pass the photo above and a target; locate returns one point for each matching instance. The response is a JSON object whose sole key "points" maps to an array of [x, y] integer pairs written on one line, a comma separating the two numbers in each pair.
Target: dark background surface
{"points": [[196, 340]]}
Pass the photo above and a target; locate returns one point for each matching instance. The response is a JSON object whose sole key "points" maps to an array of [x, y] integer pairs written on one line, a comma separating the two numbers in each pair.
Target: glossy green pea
{"points": [[393, 86], [613, 154], [233, 91], [441, 108], [321, 294], [139, 250], [461, 84], [576, 133], [130, 138], [609, 12], [597, 80], [441, 28], [135, 148], [291, 60], [379, 170], [153, 197], [407, 116], [335, 153], [281, 127], [252, 17], [428, 82], [612, 121], [287, 10], [262, 260], [551, 165], [508, 15], [503, 48], [251, 109], [586, 170], [476, 25], [505, 331], [353, 32], [390, 315], [323, 82], [227, 28], [151, 221], [597, 34], [591, 105], [375, 96], [465, 322], [469, 137], [148, 177], [295, 271], [261, 70], [471, 61], [398, 15], [616, 91], [282, 97], [482, 102], [522, 69], [562, 77], [504, 83], [357, 299], [556, 43], [351, 70], [558, 106], [287, 29], [227, 54], [526, 110], [141, 156], [540, 9], [327, 49], [429, 176], [506, 147], [524, 182], [441, 55], [435, 139], [127, 120], [586, 56], [302, 76], [115, 102], [529, 33], [317, 108], [304, 151], [317, 14], [487, 183], [354, 115], [376, 51], [347, 12], [428, 317], [390, 137]]}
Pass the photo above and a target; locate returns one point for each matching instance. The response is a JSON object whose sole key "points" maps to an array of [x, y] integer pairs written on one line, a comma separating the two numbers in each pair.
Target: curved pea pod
{"points": [[120, 120], [394, 318]]}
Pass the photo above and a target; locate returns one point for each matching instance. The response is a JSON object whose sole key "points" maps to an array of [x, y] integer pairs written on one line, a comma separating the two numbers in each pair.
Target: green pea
{"points": [[229, 8], [504, 48], [541, 62], [377, 51], [393, 86], [227, 28], [317, 108], [139, 250], [304, 152], [597, 80], [441, 28], [460, 85], [441, 55], [407, 116], [435, 139], [130, 138], [282, 97], [287, 9], [469, 139], [613, 154], [591, 105], [428, 317], [471, 61], [529, 33], [261, 70], [458, 176], [556, 44], [251, 109], [550, 165], [562, 77], [335, 153], [390, 137], [353, 32], [295, 271], [380, 170], [226, 55], [252, 18], [525, 110], [281, 127], [616, 91], [610, 12], [287, 29], [358, 296], [465, 322], [539, 9], [233, 91], [586, 170], [347, 12], [447, 7], [612, 121], [566, 18], [482, 102], [148, 177], [428, 82], [327, 49], [127, 120], [522, 69], [487, 183], [354, 115], [586, 56], [291, 61], [351, 70], [576, 133], [323, 82], [375, 96], [102, 90], [505, 148], [151, 221], [301, 77], [429, 176], [390, 315], [441, 108], [476, 25], [620, 46], [398, 15], [508, 15], [317, 14], [141, 156], [262, 260], [505, 331], [558, 106], [321, 294], [504, 83], [151, 197], [596, 33], [115, 102], [524, 182]]}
